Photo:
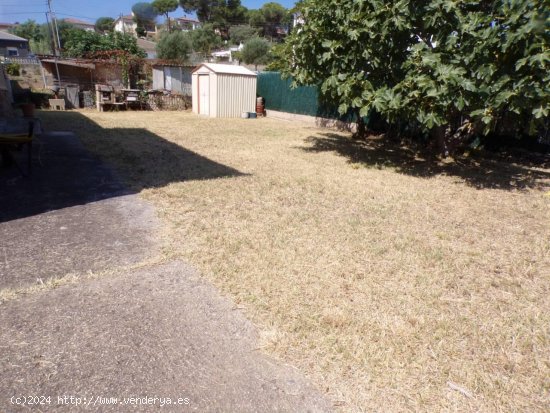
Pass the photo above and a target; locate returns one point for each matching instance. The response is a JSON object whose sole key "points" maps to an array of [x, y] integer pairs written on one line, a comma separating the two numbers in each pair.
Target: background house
{"points": [[13, 46], [81, 24], [126, 24], [186, 23], [4, 27], [227, 55]]}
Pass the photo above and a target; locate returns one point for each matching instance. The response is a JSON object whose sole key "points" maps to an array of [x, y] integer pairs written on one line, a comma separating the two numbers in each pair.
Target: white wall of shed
{"points": [[229, 96], [195, 94], [213, 95], [235, 94]]}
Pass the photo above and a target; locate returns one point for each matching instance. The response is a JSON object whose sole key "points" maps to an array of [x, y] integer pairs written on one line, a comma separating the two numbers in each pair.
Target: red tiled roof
{"points": [[77, 21]]}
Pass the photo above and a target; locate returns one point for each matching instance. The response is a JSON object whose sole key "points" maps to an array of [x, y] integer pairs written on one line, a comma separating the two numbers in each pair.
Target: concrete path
{"points": [[72, 215], [160, 332], [155, 339]]}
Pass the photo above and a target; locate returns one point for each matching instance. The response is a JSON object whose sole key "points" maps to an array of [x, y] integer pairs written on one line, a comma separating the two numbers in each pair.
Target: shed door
{"points": [[204, 95]]}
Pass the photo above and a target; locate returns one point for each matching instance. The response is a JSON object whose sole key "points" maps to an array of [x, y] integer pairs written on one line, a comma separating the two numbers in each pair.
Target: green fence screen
{"points": [[304, 100]]}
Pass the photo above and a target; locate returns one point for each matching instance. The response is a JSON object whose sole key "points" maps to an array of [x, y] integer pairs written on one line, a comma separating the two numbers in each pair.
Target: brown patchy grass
{"points": [[395, 283]]}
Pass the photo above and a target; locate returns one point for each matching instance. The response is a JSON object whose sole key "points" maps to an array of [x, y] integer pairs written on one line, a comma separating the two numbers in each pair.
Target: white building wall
{"points": [[125, 27]]}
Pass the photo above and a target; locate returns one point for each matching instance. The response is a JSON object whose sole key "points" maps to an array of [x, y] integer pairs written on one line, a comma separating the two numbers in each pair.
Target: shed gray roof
{"points": [[229, 69], [9, 36]]}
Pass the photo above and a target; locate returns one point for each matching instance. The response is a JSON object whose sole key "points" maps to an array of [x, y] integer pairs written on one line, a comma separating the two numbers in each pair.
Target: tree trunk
{"points": [[361, 127], [438, 134]]}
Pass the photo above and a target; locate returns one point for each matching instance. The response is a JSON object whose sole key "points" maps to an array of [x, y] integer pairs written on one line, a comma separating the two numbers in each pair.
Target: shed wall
{"points": [[194, 94], [235, 94], [213, 95], [229, 94], [174, 78], [158, 78]]}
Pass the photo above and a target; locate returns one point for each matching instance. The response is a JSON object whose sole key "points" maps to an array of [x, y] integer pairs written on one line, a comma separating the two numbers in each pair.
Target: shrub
{"points": [[13, 69]]}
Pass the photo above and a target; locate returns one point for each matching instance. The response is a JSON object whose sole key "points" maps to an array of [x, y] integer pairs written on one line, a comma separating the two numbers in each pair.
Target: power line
{"points": [[27, 12], [73, 15], [27, 4]]}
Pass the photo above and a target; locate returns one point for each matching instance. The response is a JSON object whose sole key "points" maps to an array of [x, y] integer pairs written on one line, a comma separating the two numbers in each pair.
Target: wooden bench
{"points": [[110, 105]]}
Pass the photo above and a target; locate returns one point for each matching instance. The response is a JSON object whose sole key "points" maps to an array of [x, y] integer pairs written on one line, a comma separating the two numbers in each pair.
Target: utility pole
{"points": [[50, 32], [57, 43], [55, 29], [123, 24]]}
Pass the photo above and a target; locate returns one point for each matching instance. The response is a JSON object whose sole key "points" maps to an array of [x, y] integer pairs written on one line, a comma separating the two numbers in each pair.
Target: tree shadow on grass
{"points": [[65, 174], [504, 171]]}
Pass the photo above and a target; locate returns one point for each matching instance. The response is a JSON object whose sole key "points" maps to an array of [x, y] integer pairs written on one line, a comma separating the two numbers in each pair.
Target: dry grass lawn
{"points": [[394, 283]]}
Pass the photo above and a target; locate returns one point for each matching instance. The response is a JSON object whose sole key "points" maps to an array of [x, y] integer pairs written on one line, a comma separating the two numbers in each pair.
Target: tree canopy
{"points": [[82, 43], [144, 11], [205, 9], [273, 14], [144, 16], [256, 52], [442, 65], [205, 39], [29, 30], [220, 13], [174, 46], [241, 33], [105, 24], [164, 7]]}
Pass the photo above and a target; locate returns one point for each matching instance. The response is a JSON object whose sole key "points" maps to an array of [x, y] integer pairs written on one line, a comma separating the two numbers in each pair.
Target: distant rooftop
{"points": [[128, 17], [9, 36], [77, 21], [187, 19]]}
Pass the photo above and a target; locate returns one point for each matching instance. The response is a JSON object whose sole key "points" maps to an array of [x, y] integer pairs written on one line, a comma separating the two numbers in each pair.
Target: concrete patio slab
{"points": [[159, 332], [72, 215]]}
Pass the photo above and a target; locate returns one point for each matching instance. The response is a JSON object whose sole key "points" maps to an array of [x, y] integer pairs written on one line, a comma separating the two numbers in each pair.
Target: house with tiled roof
{"points": [[13, 46], [80, 24], [187, 23], [4, 27], [126, 24]]}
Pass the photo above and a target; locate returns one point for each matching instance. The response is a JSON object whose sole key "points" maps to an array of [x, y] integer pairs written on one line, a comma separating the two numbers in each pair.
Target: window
{"points": [[13, 51]]}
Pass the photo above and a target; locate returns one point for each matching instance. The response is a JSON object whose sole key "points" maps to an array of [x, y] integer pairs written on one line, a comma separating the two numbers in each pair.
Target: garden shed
{"points": [[223, 91], [175, 78]]}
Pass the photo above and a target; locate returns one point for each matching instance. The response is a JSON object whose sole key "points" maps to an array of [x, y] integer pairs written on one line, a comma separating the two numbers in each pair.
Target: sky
{"points": [[20, 10]]}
